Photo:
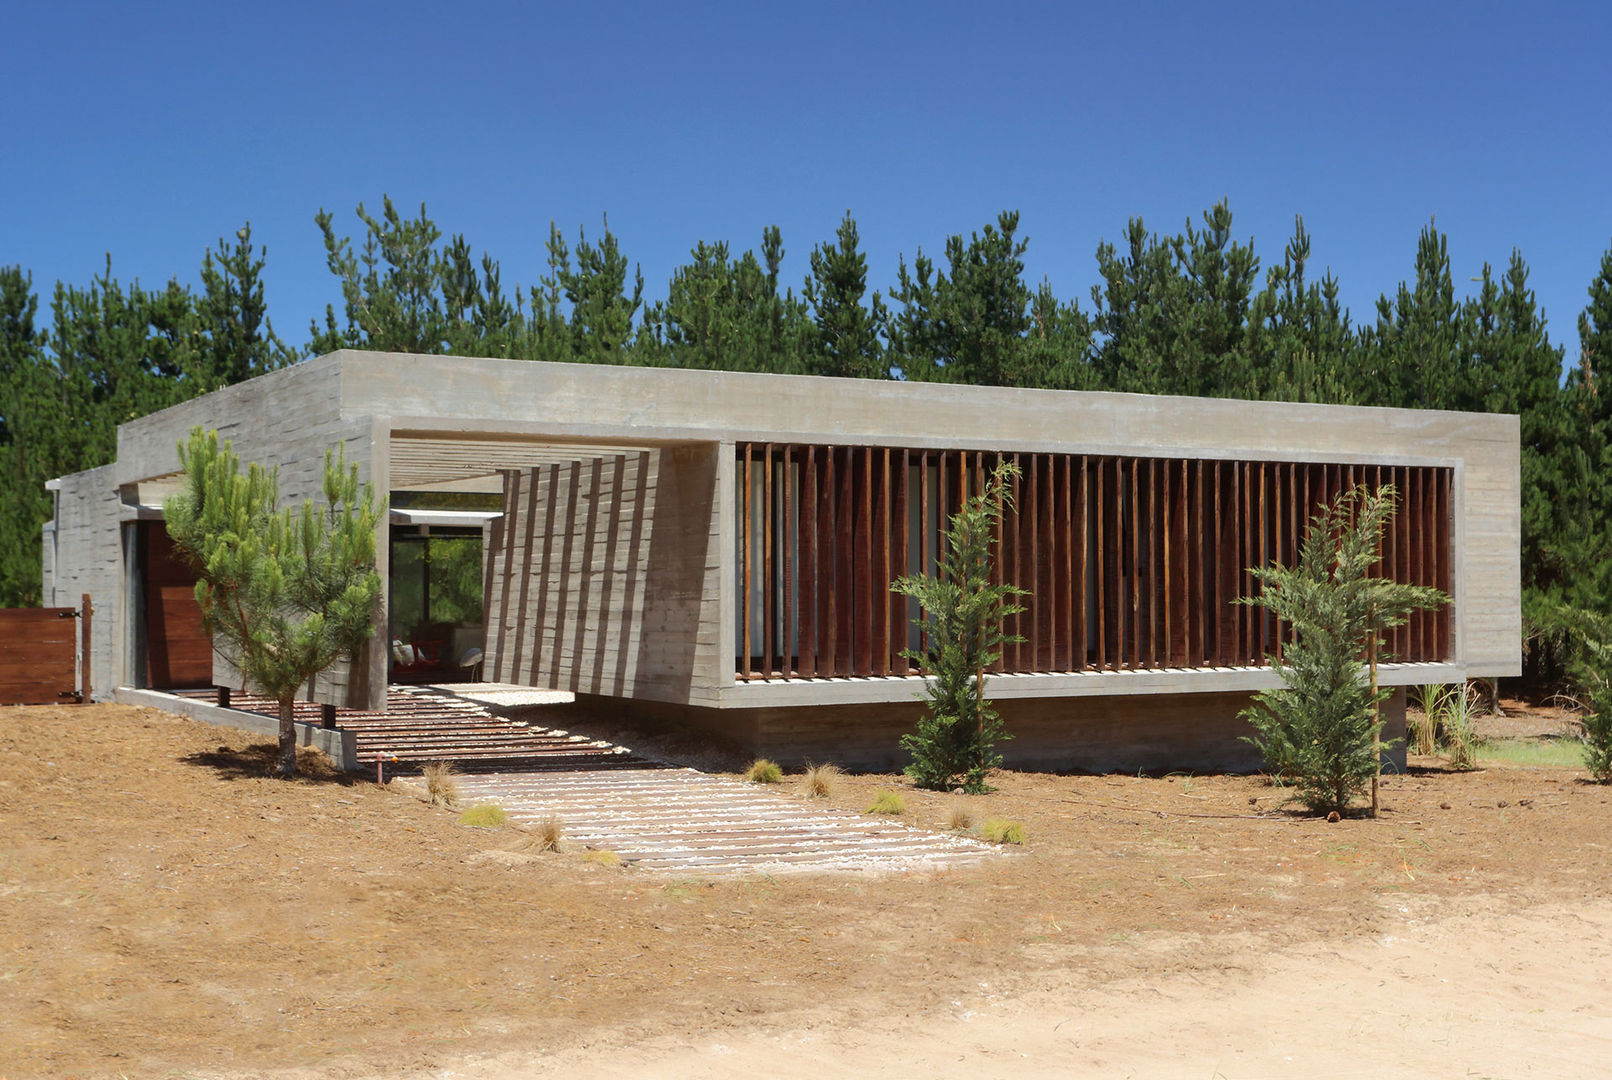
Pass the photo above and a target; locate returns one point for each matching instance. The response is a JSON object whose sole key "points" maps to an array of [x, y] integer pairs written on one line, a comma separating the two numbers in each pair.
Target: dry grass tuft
{"points": [[762, 771], [821, 781], [602, 858], [887, 802], [440, 785], [1002, 831], [484, 816], [548, 834], [960, 818]]}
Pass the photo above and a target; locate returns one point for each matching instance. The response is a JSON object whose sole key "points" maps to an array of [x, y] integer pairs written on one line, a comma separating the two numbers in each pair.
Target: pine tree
{"points": [[961, 619], [1322, 729], [239, 341], [290, 593], [847, 341]]}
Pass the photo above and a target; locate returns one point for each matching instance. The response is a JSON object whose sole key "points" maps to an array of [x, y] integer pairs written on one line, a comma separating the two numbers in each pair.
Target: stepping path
{"points": [[652, 815], [684, 821]]}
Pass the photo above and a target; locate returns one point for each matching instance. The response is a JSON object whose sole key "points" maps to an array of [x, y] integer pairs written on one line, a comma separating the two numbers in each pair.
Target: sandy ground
{"points": [[166, 909], [1484, 993]]}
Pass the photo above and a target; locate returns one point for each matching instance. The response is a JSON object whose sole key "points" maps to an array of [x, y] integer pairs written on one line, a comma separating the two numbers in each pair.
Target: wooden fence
{"points": [[45, 655]]}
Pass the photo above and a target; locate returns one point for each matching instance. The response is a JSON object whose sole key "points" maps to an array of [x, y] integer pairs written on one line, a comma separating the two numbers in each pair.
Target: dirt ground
{"points": [[167, 909]]}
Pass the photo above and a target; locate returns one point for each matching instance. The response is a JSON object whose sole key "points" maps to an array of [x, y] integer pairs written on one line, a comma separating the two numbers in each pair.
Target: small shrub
{"points": [[1594, 675], [762, 771], [1449, 712], [484, 816], [440, 784], [1597, 736], [887, 802], [1423, 729], [960, 818], [548, 834], [1002, 831], [820, 781], [602, 858]]}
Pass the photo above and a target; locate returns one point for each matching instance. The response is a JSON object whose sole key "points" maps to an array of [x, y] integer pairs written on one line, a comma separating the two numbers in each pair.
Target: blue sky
{"points": [[149, 131]]}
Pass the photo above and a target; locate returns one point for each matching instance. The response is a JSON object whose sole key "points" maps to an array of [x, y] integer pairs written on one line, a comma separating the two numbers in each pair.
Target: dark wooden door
{"points": [[179, 654]]}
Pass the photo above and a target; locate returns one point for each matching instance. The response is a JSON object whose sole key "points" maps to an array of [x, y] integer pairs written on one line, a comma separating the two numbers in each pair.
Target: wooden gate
{"points": [[40, 649]]}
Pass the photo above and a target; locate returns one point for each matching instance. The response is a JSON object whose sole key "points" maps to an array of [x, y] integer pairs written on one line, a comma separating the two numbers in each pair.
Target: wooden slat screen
{"points": [[1132, 563]]}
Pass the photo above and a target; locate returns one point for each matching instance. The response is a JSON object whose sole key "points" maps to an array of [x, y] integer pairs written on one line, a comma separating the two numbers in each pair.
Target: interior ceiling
{"points": [[449, 464]]}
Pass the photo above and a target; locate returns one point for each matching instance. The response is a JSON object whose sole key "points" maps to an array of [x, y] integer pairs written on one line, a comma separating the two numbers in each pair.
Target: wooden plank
{"points": [[845, 563], [880, 600], [1065, 616], [1133, 541], [1445, 516], [747, 529], [1418, 649], [862, 644], [1180, 564], [925, 565], [809, 496], [1046, 579], [900, 547], [1100, 577], [768, 596], [789, 549], [1167, 601], [1079, 550], [1196, 546], [1153, 654]]}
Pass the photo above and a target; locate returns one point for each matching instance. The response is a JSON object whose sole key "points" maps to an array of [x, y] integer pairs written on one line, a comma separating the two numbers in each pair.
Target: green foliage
{"points": [[762, 771], [961, 613], [1449, 710], [289, 592], [1002, 831], [1593, 676], [887, 802], [485, 816], [1319, 730]]}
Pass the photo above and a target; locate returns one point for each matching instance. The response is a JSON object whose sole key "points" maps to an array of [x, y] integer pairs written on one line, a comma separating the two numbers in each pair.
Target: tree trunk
{"points": [[1377, 724], [288, 738]]}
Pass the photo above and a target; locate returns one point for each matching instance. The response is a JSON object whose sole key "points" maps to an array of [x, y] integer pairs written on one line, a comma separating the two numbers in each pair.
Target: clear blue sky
{"points": [[151, 130]]}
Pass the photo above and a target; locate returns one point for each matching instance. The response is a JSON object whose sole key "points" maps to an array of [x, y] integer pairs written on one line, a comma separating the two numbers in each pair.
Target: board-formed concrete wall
{"points": [[286, 419], [602, 574], [87, 557]]}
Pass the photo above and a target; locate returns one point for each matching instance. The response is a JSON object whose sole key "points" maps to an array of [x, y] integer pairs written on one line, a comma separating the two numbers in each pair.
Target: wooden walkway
{"points": [[653, 816], [687, 822]]}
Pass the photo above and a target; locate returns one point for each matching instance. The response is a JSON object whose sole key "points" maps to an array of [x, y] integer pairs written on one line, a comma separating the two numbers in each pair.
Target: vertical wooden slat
{"points": [[1100, 574], [748, 530], [1080, 549], [1196, 545], [1064, 617], [862, 563], [845, 565], [808, 562], [899, 547], [1446, 548], [880, 598], [1154, 655], [768, 596], [788, 551], [1132, 544], [1180, 599], [1418, 618], [924, 566], [1167, 563]]}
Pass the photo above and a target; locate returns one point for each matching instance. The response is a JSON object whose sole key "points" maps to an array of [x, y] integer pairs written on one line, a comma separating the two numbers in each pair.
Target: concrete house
{"points": [[716, 549]]}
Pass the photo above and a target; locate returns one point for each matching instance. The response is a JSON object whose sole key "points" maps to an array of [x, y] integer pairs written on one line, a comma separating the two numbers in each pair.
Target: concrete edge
{"points": [[341, 746]]}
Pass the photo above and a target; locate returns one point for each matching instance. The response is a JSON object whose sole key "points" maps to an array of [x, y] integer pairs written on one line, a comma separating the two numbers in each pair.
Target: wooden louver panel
{"points": [[1129, 563]]}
